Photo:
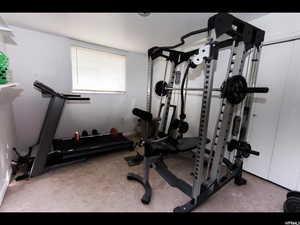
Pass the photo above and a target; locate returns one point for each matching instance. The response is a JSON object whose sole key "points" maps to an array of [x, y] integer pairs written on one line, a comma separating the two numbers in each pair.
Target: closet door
{"points": [[285, 164], [274, 66]]}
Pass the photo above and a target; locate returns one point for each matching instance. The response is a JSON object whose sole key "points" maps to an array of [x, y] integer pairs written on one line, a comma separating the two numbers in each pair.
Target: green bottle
{"points": [[3, 68]]}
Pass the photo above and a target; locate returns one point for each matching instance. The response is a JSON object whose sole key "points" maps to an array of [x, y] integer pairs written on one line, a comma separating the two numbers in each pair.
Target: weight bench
{"points": [[154, 152], [171, 146]]}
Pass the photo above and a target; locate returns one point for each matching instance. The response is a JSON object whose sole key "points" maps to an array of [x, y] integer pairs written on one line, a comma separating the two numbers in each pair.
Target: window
{"points": [[97, 71]]}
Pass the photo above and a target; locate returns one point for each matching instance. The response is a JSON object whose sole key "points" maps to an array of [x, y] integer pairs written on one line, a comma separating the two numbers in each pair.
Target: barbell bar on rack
{"points": [[192, 89], [234, 89]]}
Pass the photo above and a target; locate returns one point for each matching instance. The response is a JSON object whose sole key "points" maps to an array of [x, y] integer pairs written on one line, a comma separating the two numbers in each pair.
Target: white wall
{"points": [[44, 57], [278, 25]]}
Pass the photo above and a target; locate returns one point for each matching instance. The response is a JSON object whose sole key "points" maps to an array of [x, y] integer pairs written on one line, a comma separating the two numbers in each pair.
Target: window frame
{"points": [[99, 50]]}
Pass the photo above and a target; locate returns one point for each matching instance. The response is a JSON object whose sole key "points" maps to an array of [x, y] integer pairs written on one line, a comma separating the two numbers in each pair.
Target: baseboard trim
{"points": [[267, 180], [5, 185]]}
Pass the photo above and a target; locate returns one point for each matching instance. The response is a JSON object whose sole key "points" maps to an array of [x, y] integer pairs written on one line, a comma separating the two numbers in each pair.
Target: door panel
{"points": [[273, 69], [285, 164]]}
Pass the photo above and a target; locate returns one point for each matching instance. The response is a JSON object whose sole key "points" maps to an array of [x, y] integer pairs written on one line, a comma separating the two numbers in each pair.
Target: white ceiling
{"points": [[128, 31]]}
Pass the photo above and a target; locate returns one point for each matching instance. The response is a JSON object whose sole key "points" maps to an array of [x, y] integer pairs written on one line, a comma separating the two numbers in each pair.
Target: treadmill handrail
{"points": [[44, 88], [75, 98], [49, 91]]}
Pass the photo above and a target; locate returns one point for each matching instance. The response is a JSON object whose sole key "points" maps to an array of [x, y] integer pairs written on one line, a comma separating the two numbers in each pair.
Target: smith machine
{"points": [[212, 169]]}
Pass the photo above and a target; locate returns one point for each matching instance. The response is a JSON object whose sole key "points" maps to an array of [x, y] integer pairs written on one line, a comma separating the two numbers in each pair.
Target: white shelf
{"points": [[2, 86]]}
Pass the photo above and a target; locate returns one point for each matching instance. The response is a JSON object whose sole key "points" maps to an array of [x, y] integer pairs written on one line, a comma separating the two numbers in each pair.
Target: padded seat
{"points": [[173, 146]]}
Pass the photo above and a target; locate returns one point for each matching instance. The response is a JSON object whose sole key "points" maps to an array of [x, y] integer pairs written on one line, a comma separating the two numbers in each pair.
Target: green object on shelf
{"points": [[3, 68]]}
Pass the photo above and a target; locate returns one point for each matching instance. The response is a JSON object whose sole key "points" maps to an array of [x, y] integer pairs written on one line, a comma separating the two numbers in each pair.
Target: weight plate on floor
{"points": [[292, 204]]}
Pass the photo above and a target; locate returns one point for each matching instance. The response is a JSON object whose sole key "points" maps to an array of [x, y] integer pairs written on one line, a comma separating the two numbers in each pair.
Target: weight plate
{"points": [[292, 204], [160, 88], [174, 124], [245, 154], [84, 133], [293, 194], [95, 132], [233, 144], [183, 127], [233, 89]]}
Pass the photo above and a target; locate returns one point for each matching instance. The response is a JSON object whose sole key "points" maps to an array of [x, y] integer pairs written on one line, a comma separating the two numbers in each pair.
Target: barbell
{"points": [[234, 89]]}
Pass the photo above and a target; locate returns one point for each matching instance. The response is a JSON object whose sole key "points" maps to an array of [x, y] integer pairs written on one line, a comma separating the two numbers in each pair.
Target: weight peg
{"points": [[243, 147], [235, 89]]}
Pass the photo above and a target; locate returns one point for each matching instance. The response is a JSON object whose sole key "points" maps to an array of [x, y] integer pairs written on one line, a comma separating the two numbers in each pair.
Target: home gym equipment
{"points": [[292, 202], [3, 68], [218, 160], [50, 152]]}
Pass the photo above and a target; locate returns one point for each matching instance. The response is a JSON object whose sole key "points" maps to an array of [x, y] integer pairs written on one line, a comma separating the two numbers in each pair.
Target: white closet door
{"points": [[285, 165], [273, 69]]}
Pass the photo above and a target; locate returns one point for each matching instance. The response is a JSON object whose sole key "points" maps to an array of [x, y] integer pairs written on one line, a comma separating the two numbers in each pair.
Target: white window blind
{"points": [[97, 71]]}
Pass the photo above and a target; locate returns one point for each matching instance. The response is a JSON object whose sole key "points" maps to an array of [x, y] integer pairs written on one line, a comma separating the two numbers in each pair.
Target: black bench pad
{"points": [[173, 146]]}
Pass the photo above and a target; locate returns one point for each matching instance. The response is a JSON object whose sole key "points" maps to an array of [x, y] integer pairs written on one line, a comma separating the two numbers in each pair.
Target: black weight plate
{"points": [[84, 133], [183, 127], [233, 144], [245, 154], [160, 88], [95, 132], [234, 89], [284, 207], [293, 194], [292, 204], [174, 124]]}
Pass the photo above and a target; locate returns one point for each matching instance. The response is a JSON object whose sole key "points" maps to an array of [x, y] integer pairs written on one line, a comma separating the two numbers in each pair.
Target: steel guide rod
{"points": [[225, 119], [198, 176], [165, 115], [229, 69], [239, 111], [150, 84], [248, 105]]}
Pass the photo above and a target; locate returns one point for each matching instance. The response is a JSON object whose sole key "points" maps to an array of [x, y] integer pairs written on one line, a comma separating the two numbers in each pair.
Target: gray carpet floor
{"points": [[100, 185]]}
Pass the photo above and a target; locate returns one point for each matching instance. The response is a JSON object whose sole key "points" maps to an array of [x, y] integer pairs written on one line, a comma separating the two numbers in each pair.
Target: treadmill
{"points": [[49, 152]]}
